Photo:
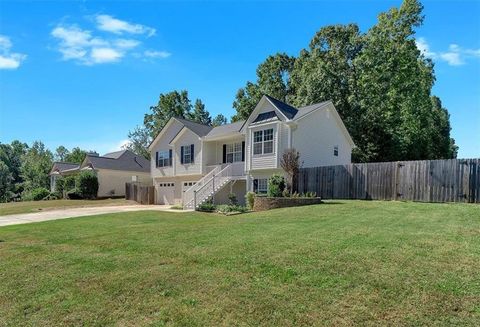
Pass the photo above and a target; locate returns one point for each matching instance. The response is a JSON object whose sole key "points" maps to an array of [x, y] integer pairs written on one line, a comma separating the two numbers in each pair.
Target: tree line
{"points": [[379, 81], [24, 169]]}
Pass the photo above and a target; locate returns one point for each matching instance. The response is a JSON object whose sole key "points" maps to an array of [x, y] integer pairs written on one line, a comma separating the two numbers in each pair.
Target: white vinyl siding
{"points": [[315, 138], [163, 145], [264, 160], [187, 139]]}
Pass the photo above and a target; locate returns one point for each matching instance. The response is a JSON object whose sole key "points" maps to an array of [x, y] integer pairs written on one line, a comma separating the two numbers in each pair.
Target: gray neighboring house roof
{"points": [[120, 160], [60, 166]]}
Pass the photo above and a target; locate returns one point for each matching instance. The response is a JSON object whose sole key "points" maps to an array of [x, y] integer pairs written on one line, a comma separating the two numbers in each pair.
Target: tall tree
{"points": [[77, 155], [326, 72], [200, 114], [219, 120], [273, 78], [36, 164], [139, 141], [172, 104], [61, 153], [6, 183], [11, 156]]}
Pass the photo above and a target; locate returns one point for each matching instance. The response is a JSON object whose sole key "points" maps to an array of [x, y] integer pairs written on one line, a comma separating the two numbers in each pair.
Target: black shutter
{"points": [[192, 153], [255, 185], [156, 159], [224, 153], [243, 151], [170, 157], [181, 155]]}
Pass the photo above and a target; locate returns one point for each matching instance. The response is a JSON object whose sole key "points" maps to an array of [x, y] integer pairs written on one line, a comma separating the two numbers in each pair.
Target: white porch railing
{"points": [[211, 183]]}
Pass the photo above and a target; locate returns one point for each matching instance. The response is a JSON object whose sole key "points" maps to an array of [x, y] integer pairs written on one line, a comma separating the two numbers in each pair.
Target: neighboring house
{"points": [[192, 163], [112, 169]]}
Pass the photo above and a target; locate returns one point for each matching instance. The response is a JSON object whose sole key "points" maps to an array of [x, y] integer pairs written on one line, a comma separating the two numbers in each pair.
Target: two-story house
{"points": [[192, 163]]}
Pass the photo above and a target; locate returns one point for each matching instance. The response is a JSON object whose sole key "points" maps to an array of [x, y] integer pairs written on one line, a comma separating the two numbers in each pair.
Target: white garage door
{"points": [[165, 193]]}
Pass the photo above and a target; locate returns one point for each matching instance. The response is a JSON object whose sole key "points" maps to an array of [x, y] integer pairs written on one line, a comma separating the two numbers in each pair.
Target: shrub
{"points": [[52, 196], [176, 207], [68, 183], [36, 194], [207, 207], [74, 195], [59, 185], [226, 209], [286, 193], [250, 199], [232, 197], [276, 185], [87, 184]]}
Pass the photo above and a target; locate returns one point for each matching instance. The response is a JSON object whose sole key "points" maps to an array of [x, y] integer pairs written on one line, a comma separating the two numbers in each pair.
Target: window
{"points": [[166, 184], [164, 159], [233, 152], [187, 154], [260, 185], [263, 141], [335, 150]]}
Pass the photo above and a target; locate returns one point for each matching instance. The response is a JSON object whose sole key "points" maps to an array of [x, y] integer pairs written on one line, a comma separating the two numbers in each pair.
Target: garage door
{"points": [[165, 193]]}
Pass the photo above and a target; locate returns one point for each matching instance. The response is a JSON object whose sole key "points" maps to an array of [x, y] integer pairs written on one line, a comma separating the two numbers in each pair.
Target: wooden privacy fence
{"points": [[452, 180], [142, 194]]}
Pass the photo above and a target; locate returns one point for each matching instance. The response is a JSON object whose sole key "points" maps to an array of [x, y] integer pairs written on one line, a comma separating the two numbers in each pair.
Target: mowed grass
{"points": [[341, 263], [36, 206]]}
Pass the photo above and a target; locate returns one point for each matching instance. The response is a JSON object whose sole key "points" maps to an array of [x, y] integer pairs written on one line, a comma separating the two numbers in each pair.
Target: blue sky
{"points": [[84, 73]]}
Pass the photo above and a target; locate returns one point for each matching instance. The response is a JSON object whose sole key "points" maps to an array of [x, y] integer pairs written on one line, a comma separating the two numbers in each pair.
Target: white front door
{"points": [[165, 193]]}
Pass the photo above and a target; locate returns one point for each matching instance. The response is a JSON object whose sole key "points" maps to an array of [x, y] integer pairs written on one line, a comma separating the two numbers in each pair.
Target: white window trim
{"points": [[163, 159], [262, 190], [185, 147], [233, 152], [263, 141]]}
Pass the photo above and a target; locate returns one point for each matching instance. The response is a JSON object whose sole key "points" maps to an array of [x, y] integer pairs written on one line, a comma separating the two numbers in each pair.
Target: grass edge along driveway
{"points": [[339, 263]]}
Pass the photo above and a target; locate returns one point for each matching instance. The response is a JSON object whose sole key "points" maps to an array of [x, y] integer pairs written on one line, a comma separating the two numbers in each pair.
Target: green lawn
{"points": [[35, 206], [341, 263]]}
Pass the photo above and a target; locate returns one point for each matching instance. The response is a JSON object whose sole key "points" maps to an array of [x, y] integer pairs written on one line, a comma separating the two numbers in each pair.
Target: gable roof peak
{"points": [[286, 109]]}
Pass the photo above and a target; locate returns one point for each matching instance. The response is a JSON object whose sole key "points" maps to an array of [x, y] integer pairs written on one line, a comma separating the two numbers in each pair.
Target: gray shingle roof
{"points": [[197, 128], [226, 129], [269, 115], [126, 161], [302, 111], [286, 109], [114, 155], [62, 166]]}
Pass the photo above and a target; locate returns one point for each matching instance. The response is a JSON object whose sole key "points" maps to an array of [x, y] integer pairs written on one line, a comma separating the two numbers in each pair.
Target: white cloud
{"points": [[110, 24], [87, 48], [157, 54], [104, 55], [8, 59], [455, 56], [127, 43]]}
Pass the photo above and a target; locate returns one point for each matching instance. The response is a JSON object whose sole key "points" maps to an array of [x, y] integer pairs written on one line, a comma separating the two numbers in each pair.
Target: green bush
{"points": [[59, 185], [276, 185], [74, 195], [250, 199], [86, 184], [286, 193], [36, 194], [226, 209], [52, 196], [232, 197], [68, 183], [207, 207]]}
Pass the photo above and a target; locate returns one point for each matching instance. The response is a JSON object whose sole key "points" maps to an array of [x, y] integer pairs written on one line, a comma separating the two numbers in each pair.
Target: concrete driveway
{"points": [[26, 218]]}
